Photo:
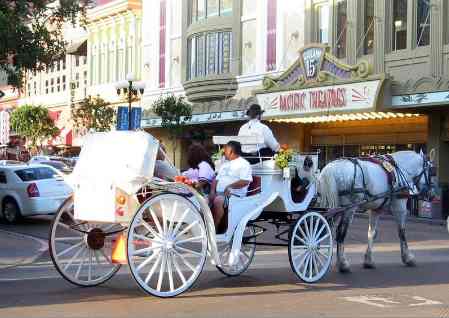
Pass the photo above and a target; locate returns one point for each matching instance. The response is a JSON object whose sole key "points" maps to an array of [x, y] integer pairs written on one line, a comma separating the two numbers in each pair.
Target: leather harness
{"points": [[397, 181]]}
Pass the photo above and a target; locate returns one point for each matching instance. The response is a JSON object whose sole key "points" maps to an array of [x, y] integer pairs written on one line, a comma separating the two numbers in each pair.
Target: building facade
{"points": [[223, 54], [215, 53], [113, 46], [60, 85]]}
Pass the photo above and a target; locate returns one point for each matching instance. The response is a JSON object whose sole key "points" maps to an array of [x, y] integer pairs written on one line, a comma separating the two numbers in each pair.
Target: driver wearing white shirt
{"points": [[255, 128]]}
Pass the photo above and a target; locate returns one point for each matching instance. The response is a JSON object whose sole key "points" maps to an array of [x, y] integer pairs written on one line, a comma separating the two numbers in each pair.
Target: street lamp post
{"points": [[131, 88]]}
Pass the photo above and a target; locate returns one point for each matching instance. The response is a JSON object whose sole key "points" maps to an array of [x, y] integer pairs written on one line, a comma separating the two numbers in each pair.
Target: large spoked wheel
{"points": [[167, 245], [245, 257], [310, 247], [447, 223], [81, 251]]}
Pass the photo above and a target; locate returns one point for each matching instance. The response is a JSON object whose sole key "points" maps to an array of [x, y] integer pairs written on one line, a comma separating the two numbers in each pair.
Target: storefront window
{"points": [[201, 55], [342, 17], [225, 7], [322, 12], [369, 27], [209, 53], [212, 8], [200, 9], [423, 23], [329, 153], [212, 53], [399, 25], [193, 11]]}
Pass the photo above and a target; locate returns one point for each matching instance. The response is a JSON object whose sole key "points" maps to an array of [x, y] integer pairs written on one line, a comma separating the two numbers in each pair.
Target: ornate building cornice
{"points": [[316, 66], [424, 84]]}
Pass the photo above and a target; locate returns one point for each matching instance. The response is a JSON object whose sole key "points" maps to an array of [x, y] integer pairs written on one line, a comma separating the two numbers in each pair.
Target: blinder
{"points": [[426, 191]]}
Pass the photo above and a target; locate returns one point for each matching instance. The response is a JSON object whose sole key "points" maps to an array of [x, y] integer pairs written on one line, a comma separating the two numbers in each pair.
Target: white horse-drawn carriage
{"points": [[169, 228]]}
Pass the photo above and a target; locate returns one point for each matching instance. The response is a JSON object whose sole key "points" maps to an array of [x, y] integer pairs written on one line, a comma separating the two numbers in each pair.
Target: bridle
{"points": [[425, 191]]}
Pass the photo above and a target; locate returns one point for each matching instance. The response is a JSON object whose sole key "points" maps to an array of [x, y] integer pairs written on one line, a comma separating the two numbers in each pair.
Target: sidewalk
{"points": [[19, 249], [409, 219]]}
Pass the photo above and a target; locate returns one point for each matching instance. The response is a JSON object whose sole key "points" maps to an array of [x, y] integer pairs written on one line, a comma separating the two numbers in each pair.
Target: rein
{"points": [[428, 182]]}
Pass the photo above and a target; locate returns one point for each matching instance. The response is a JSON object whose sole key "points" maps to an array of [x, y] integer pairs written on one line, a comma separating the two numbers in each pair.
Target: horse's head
{"points": [[423, 180]]}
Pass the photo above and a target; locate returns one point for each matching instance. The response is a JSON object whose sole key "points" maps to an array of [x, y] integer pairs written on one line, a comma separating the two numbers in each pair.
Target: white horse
{"points": [[347, 182]]}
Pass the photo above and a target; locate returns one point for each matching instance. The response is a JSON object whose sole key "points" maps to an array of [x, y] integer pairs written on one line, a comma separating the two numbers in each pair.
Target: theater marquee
{"points": [[319, 83], [346, 97]]}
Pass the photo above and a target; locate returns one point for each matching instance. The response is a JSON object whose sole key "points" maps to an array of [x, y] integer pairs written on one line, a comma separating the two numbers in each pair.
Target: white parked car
{"points": [[30, 189]]}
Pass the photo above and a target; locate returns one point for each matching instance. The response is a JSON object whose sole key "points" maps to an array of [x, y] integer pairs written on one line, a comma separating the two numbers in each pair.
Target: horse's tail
{"points": [[327, 188]]}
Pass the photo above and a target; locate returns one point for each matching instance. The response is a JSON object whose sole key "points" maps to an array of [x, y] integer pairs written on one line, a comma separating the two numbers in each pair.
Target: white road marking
{"points": [[424, 302], [372, 301], [388, 302]]}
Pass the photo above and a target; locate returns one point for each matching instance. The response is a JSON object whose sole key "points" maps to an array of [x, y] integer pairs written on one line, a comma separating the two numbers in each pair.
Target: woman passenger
{"points": [[201, 169]]}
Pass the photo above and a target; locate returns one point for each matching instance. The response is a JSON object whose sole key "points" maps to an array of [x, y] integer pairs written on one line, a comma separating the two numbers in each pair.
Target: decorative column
{"points": [[236, 55], [436, 37], [132, 36], [354, 30], [115, 48], [309, 30], [382, 39]]}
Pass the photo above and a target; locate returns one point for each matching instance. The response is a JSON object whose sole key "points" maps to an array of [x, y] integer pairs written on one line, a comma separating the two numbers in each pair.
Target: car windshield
{"points": [[37, 173], [56, 164]]}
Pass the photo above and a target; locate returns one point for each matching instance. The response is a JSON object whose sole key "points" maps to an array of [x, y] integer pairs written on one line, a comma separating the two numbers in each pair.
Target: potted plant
{"points": [[283, 159]]}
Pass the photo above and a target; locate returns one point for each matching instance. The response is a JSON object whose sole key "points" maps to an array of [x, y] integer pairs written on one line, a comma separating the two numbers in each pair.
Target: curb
{"points": [[26, 260], [409, 219]]}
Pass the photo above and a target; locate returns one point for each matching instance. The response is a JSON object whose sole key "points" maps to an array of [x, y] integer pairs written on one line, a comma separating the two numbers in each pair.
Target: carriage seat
{"points": [[255, 186]]}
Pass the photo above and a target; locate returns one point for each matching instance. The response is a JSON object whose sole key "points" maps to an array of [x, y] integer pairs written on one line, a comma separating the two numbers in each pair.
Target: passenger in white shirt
{"points": [[234, 177], [255, 128]]}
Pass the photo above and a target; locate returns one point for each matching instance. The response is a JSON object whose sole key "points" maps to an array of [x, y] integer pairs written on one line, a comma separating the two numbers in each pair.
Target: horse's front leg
{"points": [[342, 229], [372, 234], [399, 209]]}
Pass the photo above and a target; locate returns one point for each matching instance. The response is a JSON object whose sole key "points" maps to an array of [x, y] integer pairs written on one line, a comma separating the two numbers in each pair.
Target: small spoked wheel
{"points": [[246, 254], [167, 245], [81, 251], [310, 247]]}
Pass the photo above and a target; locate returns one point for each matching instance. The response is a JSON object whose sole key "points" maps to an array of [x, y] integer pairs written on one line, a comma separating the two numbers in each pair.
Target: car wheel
{"points": [[11, 211]]}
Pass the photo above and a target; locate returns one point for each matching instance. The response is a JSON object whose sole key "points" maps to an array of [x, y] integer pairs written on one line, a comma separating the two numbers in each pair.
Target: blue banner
{"points": [[122, 118], [136, 117]]}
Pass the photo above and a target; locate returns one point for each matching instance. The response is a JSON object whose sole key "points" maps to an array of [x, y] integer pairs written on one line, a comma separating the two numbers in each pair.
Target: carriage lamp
{"points": [[121, 200], [131, 89]]}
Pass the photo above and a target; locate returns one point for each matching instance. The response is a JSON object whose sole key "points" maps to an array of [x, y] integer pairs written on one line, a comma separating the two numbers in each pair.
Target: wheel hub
{"points": [[168, 245], [95, 239]]}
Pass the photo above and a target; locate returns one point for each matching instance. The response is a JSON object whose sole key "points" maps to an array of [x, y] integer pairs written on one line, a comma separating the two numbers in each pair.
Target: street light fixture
{"points": [[131, 88]]}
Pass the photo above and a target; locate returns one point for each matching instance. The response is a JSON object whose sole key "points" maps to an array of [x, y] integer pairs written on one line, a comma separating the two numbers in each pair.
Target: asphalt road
{"points": [[268, 289]]}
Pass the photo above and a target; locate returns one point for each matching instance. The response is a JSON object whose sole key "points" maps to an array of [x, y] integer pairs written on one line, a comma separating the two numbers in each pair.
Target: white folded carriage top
{"points": [[122, 158]]}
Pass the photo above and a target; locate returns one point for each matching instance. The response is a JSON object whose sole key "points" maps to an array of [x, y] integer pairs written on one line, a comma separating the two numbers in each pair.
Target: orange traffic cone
{"points": [[119, 250]]}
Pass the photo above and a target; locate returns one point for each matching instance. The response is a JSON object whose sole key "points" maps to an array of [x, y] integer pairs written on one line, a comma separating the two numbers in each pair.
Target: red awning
{"points": [[64, 137], [54, 115]]}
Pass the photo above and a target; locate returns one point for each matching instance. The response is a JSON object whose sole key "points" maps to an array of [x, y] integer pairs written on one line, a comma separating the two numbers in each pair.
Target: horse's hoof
{"points": [[369, 265], [368, 262], [344, 268], [410, 262]]}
